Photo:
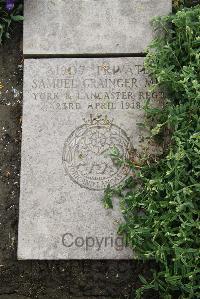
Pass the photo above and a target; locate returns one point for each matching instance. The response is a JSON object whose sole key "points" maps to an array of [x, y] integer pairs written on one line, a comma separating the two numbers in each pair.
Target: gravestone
{"points": [[76, 113], [90, 26]]}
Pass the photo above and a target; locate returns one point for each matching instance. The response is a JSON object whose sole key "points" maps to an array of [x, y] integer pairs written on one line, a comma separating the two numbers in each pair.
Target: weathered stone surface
{"points": [[90, 26], [75, 112]]}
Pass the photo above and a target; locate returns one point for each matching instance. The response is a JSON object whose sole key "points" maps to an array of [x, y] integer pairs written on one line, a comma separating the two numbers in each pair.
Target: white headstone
{"points": [[75, 113], [90, 26]]}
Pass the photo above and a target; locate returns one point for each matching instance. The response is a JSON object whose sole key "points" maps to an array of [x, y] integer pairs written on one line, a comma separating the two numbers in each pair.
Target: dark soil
{"points": [[41, 279]]}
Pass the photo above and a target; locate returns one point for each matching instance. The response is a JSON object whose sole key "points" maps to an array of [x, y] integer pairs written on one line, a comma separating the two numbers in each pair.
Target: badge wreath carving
{"points": [[86, 153]]}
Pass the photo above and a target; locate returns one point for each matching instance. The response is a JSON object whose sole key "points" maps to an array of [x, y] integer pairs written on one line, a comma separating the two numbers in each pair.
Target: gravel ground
{"points": [[42, 279]]}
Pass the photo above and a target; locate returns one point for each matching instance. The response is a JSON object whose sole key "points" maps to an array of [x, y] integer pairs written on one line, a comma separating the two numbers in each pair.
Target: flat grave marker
{"points": [[76, 111], [85, 27]]}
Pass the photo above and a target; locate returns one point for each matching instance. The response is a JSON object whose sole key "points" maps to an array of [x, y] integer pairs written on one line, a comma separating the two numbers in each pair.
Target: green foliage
{"points": [[7, 18], [177, 4], [160, 201]]}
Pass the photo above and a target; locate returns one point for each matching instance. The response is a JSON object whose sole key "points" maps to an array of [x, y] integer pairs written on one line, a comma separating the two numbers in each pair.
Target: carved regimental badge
{"points": [[86, 154]]}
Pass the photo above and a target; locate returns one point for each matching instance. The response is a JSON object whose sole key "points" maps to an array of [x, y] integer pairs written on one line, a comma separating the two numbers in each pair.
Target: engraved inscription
{"points": [[105, 89], [98, 86]]}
